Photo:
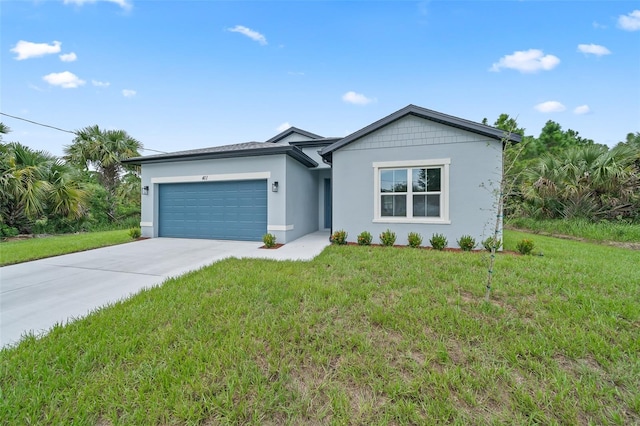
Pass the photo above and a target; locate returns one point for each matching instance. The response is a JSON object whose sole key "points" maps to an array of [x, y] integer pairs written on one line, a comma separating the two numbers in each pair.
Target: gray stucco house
{"points": [[414, 170]]}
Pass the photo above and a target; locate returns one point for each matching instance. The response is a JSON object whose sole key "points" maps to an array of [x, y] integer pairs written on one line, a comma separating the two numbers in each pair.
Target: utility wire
{"points": [[63, 130]]}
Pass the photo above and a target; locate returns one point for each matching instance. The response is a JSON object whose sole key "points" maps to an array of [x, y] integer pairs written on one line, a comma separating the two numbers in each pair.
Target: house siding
{"points": [[301, 199], [475, 161]]}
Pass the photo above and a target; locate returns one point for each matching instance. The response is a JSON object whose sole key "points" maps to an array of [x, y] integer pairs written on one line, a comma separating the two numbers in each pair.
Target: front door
{"points": [[327, 203]]}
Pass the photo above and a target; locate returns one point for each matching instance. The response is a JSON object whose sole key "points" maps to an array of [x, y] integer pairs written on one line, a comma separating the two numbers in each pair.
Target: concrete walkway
{"points": [[34, 296]]}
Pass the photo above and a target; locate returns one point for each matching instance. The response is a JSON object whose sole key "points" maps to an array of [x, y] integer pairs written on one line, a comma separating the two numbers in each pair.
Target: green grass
{"points": [[599, 231], [360, 335], [17, 251]]}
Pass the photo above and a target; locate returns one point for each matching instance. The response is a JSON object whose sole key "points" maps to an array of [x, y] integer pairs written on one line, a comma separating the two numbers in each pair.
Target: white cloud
{"points": [[527, 61], [100, 83], [630, 22], [284, 126], [598, 25], [582, 109], [68, 57], [550, 106], [356, 98], [66, 80], [125, 4], [27, 49], [253, 35], [128, 93], [593, 49]]}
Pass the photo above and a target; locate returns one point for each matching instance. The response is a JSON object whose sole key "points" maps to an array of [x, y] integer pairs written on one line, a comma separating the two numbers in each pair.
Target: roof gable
{"points": [[427, 114], [290, 131]]}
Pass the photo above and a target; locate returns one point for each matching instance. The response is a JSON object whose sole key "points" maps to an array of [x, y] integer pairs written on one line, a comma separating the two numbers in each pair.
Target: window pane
{"points": [[419, 180], [433, 180], [386, 181], [400, 180], [393, 205], [393, 180], [433, 205], [419, 206]]}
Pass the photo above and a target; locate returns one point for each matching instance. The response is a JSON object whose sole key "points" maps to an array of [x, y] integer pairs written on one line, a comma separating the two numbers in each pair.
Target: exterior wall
{"points": [[300, 188], [272, 168], [474, 161]]}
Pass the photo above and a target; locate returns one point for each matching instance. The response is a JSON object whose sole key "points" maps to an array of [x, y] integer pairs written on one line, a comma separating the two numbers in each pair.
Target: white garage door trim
{"points": [[212, 178]]}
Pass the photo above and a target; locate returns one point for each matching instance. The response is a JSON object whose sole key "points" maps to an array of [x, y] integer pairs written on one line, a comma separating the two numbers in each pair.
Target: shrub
{"points": [[8, 231], [388, 238], [525, 246], [339, 237], [364, 239], [492, 242], [438, 241], [269, 240], [415, 239], [135, 233], [467, 242]]}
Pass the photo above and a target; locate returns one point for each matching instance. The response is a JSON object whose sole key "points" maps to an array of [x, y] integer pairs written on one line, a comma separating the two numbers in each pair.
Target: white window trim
{"points": [[444, 200]]}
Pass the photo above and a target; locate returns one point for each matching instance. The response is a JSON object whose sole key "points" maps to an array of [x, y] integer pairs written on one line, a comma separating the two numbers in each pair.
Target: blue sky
{"points": [[192, 74]]}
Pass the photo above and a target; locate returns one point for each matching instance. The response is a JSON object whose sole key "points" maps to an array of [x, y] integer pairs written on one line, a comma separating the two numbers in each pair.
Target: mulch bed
{"points": [[277, 246]]}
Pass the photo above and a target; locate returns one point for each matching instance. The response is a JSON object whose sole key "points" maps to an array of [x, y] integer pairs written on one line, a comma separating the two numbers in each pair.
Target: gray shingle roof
{"points": [[291, 130], [245, 149]]}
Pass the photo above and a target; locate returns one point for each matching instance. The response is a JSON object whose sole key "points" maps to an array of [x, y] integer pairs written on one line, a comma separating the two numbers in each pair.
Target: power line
{"points": [[63, 130]]}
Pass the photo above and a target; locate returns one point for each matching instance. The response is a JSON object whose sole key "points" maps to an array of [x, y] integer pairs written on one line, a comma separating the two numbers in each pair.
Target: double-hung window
{"points": [[412, 191]]}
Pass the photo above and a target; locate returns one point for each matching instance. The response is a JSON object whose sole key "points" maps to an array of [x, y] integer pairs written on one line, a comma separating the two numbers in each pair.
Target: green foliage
{"points": [[339, 237], [438, 241], [414, 239], [525, 246], [365, 238], [387, 238], [492, 244], [8, 231], [467, 243], [269, 240], [135, 233]]}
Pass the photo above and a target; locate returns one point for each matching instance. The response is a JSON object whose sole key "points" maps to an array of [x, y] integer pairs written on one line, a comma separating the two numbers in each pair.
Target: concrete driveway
{"points": [[34, 296]]}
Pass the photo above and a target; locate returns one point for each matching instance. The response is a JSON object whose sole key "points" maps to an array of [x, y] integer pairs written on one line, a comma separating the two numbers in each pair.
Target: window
{"points": [[412, 191]]}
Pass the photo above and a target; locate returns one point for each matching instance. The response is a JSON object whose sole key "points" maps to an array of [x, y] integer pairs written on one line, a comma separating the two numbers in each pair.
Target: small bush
{"points": [[364, 239], [135, 233], [525, 246], [467, 242], [388, 238], [339, 237], [269, 240], [438, 241], [490, 243], [8, 231], [415, 239]]}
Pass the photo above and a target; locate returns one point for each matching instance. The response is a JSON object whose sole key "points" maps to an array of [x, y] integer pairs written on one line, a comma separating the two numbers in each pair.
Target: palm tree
{"points": [[102, 151], [588, 181], [36, 184]]}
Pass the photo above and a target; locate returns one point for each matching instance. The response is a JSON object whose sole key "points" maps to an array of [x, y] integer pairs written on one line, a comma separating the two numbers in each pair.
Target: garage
{"points": [[227, 210]]}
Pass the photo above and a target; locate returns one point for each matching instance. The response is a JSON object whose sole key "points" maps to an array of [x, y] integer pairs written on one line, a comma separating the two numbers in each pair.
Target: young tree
{"points": [[102, 151]]}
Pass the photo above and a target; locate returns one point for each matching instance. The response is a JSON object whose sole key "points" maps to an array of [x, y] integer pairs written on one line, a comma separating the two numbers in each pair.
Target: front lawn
{"points": [[360, 335], [17, 251]]}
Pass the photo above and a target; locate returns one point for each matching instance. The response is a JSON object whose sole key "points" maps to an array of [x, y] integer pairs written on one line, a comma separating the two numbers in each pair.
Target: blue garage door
{"points": [[213, 210]]}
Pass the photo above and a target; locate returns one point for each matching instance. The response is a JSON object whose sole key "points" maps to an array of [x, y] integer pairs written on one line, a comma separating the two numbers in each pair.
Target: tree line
{"points": [[561, 175], [87, 189]]}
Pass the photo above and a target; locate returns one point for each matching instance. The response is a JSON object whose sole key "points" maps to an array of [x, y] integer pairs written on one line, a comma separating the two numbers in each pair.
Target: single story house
{"points": [[416, 170]]}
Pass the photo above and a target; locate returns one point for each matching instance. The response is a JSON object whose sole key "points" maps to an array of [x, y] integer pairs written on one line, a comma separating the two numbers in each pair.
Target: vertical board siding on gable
{"points": [[413, 131]]}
